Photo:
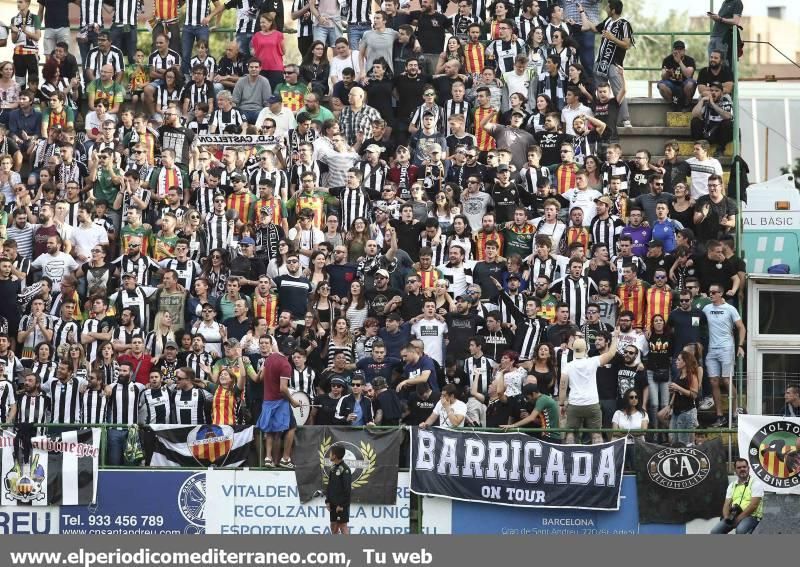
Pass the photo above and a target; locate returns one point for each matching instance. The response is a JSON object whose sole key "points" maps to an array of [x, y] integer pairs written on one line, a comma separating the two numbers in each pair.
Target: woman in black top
{"points": [[316, 69], [684, 390], [659, 366], [544, 368], [379, 86], [682, 208]]}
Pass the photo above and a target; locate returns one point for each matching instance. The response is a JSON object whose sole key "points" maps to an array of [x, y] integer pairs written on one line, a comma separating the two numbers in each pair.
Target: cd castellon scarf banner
{"points": [[514, 469]]}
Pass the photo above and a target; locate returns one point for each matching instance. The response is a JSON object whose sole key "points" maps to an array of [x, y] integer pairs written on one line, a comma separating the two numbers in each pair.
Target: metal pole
{"points": [[766, 152], [738, 185]]}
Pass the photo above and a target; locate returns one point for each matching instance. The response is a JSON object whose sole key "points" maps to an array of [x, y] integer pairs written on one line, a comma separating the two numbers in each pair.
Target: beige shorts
{"points": [[584, 417]]}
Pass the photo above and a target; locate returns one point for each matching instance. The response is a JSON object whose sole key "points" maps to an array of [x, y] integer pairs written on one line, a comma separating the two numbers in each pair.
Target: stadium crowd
{"points": [[435, 220]]}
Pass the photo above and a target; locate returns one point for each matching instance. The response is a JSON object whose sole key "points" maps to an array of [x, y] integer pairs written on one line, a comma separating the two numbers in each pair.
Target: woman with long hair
{"points": [[312, 338], [537, 50], [315, 68], [576, 76], [267, 46], [161, 334], [544, 106], [562, 47], [659, 365], [453, 51], [216, 269], [76, 359], [356, 239], [461, 235], [258, 328], [9, 91], [356, 306], [200, 294], [507, 383], [592, 165], [227, 397], [681, 208], [379, 87], [544, 368], [277, 266], [444, 301], [442, 210], [170, 90], [43, 364], [500, 11], [630, 417], [518, 103], [685, 390], [106, 363], [53, 82], [316, 272], [341, 340], [192, 229], [325, 308]]}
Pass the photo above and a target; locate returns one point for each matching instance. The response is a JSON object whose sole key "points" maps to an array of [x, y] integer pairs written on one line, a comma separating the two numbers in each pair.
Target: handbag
{"points": [[133, 454], [243, 414], [664, 415], [661, 375]]}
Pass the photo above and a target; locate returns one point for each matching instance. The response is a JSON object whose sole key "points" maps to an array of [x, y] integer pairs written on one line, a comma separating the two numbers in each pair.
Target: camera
{"points": [[731, 517]]}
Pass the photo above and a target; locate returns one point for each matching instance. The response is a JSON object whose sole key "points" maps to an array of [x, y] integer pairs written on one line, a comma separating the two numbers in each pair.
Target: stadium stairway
{"points": [[655, 123]]}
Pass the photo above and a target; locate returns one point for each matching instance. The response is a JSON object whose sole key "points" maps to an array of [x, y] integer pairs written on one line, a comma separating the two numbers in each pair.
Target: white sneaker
{"points": [[627, 124], [706, 404]]}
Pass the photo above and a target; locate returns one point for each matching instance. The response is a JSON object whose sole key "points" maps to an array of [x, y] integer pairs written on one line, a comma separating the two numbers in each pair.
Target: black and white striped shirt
{"points": [[66, 400], [93, 325], [606, 231], [518, 300], [96, 59], [110, 372], [65, 332], [359, 12], [138, 301], [33, 408], [246, 22], [163, 96], [196, 10], [194, 361], [155, 406], [141, 266], [530, 330], [46, 371], [209, 63], [218, 231], [451, 108], [440, 253], [303, 381], [187, 271], [529, 177], [304, 24], [197, 93], [190, 406], [301, 168], [373, 176], [125, 12], [280, 182], [94, 405], [91, 12], [164, 62], [124, 336], [547, 267], [480, 369], [123, 403], [577, 294], [355, 203]]}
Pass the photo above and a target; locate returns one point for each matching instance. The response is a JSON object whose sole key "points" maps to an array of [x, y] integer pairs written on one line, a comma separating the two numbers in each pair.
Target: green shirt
{"points": [[104, 188], [321, 116], [113, 93], [548, 409]]}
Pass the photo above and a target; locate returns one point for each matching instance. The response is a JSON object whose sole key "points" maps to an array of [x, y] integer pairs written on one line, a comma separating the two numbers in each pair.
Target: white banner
{"points": [[772, 446], [267, 502], [236, 140]]}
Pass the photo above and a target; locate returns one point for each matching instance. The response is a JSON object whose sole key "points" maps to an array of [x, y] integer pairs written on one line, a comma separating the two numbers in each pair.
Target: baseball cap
{"points": [[579, 347], [274, 98], [339, 381], [171, 344], [383, 273], [374, 148], [238, 177], [428, 113], [129, 275], [655, 244], [715, 84], [232, 342], [514, 276], [247, 240], [502, 167], [605, 199], [529, 389], [678, 44], [518, 113]]}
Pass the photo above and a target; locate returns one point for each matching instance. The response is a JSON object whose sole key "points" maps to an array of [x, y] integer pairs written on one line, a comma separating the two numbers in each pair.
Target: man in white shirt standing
{"points": [[579, 378], [87, 234], [573, 108], [702, 167], [431, 330]]}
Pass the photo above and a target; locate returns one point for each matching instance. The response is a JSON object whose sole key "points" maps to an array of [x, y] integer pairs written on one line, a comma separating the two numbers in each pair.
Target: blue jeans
{"points": [[188, 37], [243, 39], [355, 32], [250, 115], [125, 40], [746, 526], [684, 420], [585, 42], [658, 398], [115, 446], [327, 35]]}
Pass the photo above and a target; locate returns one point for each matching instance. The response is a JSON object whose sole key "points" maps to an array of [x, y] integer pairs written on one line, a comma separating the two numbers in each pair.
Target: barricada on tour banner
{"points": [[371, 455], [772, 446], [515, 469]]}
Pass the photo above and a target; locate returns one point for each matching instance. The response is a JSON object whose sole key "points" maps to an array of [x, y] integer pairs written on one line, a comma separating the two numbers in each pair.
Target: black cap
{"points": [[655, 244], [512, 275], [502, 167], [428, 113], [287, 345], [529, 389], [715, 84], [678, 45]]}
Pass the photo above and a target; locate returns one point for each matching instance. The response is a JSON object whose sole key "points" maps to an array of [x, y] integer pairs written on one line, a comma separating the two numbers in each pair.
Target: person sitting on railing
{"points": [[712, 117], [677, 84]]}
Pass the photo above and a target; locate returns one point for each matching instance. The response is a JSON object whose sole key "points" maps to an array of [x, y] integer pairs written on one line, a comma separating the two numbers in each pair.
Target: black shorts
{"points": [[340, 517]]}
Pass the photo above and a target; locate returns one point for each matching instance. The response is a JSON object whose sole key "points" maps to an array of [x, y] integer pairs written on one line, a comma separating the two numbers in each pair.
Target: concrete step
{"points": [[649, 111], [653, 138], [679, 119]]}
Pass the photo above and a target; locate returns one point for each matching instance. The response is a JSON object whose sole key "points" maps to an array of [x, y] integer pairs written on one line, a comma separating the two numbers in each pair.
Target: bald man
{"points": [[356, 119], [106, 89]]}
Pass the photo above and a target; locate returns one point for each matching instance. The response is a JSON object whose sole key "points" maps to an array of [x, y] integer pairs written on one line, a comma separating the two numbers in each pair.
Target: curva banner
{"points": [[268, 502], [513, 469]]}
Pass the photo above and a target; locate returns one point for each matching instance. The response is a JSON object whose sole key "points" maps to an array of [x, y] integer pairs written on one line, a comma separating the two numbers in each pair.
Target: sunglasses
{"points": [[633, 397], [291, 261], [629, 353], [134, 245]]}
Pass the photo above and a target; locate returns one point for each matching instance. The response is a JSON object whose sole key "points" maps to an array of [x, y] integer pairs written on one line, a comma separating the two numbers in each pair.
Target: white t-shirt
{"points": [[55, 267], [584, 200], [627, 422], [459, 408], [568, 115], [85, 238], [582, 373], [721, 323], [700, 172], [555, 231], [431, 332], [339, 65], [308, 240]]}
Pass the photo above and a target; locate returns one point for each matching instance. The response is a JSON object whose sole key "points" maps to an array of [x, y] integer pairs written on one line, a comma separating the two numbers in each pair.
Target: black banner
{"points": [[514, 469], [371, 455], [677, 485]]}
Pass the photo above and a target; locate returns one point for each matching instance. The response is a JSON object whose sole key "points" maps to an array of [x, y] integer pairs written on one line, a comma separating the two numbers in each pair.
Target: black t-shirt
{"points": [[506, 200], [550, 143], [431, 30], [607, 112], [379, 299], [713, 272], [517, 405], [672, 66], [621, 29], [607, 382], [710, 227], [706, 77], [459, 330], [326, 411], [412, 306], [419, 409], [389, 403], [408, 237], [482, 274], [630, 377], [497, 413], [178, 139]]}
